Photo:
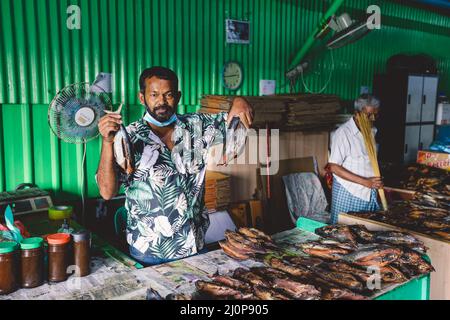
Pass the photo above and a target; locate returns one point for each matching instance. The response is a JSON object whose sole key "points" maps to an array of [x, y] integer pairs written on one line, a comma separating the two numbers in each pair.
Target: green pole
{"points": [[309, 42]]}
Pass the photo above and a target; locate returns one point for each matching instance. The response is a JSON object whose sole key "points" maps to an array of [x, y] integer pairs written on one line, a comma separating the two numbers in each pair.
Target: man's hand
{"points": [[243, 110], [374, 183], [108, 126]]}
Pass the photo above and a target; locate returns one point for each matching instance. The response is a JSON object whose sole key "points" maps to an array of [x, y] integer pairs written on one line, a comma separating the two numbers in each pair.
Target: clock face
{"points": [[232, 75]]}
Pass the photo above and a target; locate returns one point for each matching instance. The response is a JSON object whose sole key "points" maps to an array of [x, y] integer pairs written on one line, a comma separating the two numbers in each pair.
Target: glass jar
{"points": [[58, 256], [32, 262], [9, 277], [82, 252]]}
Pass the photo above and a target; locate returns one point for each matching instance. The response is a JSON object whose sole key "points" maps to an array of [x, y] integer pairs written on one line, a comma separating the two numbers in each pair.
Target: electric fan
{"points": [[74, 113], [73, 116]]}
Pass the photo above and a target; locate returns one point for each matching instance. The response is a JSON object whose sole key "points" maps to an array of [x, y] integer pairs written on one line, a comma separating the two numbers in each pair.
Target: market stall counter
{"points": [[120, 278]]}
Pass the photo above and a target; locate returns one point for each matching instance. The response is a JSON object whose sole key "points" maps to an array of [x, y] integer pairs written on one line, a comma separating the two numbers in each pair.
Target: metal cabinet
{"points": [[407, 117], [414, 99], [429, 96], [412, 137], [426, 136]]}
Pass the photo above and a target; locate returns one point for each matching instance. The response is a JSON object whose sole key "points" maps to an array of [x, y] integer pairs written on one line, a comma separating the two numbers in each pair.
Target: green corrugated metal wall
{"points": [[39, 55]]}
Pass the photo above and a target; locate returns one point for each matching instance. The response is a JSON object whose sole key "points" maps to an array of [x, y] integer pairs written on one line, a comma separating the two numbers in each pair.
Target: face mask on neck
{"points": [[157, 123]]}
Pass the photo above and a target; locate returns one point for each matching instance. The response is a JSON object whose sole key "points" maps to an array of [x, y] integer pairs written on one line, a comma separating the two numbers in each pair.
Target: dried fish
{"points": [[342, 294], [374, 255], [232, 283], [249, 277], [218, 290], [341, 233], [265, 293], [233, 252], [328, 252], [239, 241], [296, 271], [341, 266], [400, 238], [255, 233], [305, 262], [341, 279], [362, 234], [336, 244], [390, 274], [282, 281], [436, 224]]}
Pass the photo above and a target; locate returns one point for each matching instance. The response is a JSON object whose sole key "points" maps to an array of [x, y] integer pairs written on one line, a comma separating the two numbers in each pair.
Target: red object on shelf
{"points": [[23, 231]]}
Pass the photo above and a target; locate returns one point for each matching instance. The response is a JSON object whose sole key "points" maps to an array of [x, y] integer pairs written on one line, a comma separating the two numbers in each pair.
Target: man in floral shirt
{"points": [[164, 194]]}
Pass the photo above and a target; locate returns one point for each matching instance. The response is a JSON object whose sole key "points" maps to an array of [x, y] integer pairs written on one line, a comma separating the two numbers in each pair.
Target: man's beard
{"points": [[161, 116]]}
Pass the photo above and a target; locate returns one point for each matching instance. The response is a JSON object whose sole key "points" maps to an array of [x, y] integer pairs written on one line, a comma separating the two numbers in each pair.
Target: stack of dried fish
{"points": [[335, 267], [375, 248], [420, 178], [247, 243], [413, 216], [287, 112]]}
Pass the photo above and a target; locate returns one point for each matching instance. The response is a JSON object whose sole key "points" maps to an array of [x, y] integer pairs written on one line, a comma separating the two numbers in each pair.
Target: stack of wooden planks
{"points": [[217, 191], [285, 112]]}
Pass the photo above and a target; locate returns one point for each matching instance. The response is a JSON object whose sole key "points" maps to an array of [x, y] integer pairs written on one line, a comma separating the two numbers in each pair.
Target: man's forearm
{"points": [[343, 173], [106, 174]]}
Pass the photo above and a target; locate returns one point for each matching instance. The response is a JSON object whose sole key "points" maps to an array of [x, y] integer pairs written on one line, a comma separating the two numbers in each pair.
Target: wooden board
{"points": [[439, 253]]}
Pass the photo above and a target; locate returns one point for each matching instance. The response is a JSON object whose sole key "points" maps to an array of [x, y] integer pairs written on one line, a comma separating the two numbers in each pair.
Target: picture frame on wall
{"points": [[237, 31]]}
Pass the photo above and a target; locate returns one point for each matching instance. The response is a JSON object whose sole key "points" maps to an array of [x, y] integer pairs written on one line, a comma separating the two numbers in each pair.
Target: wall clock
{"points": [[232, 75]]}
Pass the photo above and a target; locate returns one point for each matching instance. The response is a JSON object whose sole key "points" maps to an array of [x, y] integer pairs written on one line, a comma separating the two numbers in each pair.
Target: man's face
{"points": [[160, 99], [372, 113]]}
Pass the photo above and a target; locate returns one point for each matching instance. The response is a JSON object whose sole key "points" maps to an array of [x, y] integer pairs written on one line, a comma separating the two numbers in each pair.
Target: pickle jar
{"points": [[32, 262], [82, 252], [58, 256], [9, 276]]}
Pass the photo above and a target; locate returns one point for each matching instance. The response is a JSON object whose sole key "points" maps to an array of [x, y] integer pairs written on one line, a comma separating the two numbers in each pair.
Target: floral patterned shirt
{"points": [[165, 194]]}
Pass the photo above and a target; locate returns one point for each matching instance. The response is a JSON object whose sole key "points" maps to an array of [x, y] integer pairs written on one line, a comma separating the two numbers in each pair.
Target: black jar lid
{"points": [[81, 235]]}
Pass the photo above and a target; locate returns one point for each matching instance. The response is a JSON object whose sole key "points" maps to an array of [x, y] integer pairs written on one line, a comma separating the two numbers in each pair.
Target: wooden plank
{"points": [[439, 253]]}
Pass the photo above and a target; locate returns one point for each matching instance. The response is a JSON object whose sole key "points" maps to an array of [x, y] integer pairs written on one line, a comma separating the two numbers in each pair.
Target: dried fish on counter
{"points": [[323, 251], [218, 290], [418, 177], [333, 267], [374, 255], [411, 216], [341, 233]]}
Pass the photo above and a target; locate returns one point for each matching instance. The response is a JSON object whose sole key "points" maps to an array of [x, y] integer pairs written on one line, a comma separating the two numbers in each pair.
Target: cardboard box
{"points": [[434, 159], [239, 212], [256, 214]]}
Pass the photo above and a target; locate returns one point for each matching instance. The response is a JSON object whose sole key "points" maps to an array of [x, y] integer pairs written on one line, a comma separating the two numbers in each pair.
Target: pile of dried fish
{"points": [[383, 249], [337, 266], [412, 216], [419, 177], [247, 243]]}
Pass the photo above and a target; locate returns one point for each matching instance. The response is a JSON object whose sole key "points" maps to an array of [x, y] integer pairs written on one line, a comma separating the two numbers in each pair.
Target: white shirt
{"points": [[349, 151]]}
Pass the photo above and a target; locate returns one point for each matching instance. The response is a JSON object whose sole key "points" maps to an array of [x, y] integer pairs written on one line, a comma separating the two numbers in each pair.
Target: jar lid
{"points": [[7, 247], [60, 212], [58, 238], [81, 235], [31, 243]]}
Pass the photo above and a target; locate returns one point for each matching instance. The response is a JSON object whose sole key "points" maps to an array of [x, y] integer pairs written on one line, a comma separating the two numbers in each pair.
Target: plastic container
{"points": [[32, 262], [9, 277], [58, 256], [82, 252]]}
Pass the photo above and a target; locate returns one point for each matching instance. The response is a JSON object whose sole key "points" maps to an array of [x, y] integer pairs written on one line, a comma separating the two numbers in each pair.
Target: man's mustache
{"points": [[164, 106]]}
